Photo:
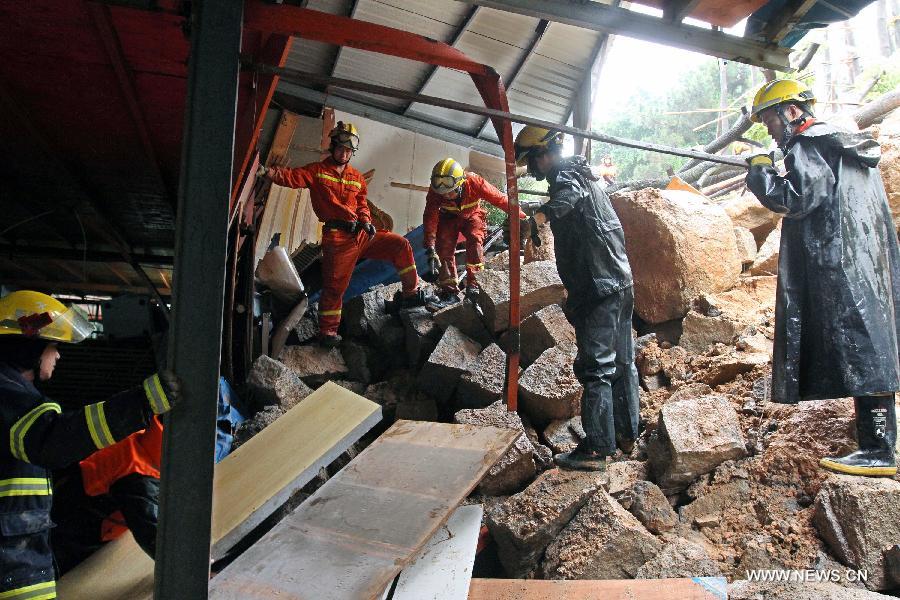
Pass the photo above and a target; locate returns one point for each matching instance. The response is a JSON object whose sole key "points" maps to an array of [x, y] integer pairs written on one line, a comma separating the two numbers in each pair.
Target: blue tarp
{"points": [[227, 419], [372, 272], [822, 14]]}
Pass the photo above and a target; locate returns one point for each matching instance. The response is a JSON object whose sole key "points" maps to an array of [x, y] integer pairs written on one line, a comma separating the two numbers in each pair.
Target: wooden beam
{"points": [[113, 47], [677, 10], [789, 16], [250, 484], [460, 30], [360, 529], [620, 21], [510, 80]]}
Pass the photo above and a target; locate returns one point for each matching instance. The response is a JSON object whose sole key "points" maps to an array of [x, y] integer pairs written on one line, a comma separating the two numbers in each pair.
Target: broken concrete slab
{"points": [[694, 250], [516, 468], [624, 474], [603, 541], [314, 364], [563, 435], [524, 524], [680, 558], [421, 334], [715, 500], [465, 317], [859, 518], [483, 384], [540, 286], [454, 355], [544, 329], [358, 312], [647, 502], [693, 437], [548, 389], [272, 382]]}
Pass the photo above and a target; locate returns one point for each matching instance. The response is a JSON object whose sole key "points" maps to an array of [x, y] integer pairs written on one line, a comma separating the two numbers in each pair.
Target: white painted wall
{"points": [[402, 156]]}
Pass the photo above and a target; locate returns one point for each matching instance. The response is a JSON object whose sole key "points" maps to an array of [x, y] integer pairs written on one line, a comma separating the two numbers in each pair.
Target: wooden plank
{"points": [[249, 485], [352, 537], [697, 588], [443, 569]]}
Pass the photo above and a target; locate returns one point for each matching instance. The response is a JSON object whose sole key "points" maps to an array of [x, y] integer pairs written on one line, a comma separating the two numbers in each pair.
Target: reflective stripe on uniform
{"points": [[469, 205], [337, 180], [25, 486], [39, 591], [20, 429], [159, 403], [450, 208], [329, 313], [96, 422], [474, 266], [411, 267], [450, 280]]}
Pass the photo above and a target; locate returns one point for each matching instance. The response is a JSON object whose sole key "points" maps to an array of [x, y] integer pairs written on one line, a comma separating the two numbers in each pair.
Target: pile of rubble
{"points": [[721, 482]]}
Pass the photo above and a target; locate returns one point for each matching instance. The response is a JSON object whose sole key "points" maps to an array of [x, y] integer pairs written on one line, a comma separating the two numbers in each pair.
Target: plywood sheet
{"points": [[443, 569], [352, 537], [697, 588], [249, 485]]}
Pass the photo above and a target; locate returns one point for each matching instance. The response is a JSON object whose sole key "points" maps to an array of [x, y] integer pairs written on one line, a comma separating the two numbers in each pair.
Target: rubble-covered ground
{"points": [[722, 480]]}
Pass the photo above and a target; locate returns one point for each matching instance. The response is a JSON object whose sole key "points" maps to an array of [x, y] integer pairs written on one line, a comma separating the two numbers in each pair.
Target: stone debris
{"points": [[647, 502], [540, 286], [623, 475], [680, 558], [422, 335], [483, 384], [314, 364], [548, 389], [543, 252], [692, 438], [694, 250], [366, 363], [524, 524], [859, 518], [544, 329], [603, 541], [465, 317], [746, 245], [358, 313], [516, 468], [272, 382], [766, 262], [454, 355], [563, 435]]}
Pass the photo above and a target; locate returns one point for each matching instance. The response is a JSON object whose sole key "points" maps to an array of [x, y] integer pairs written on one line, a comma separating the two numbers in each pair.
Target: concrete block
{"points": [[483, 385], [544, 329], [548, 389], [466, 317], [314, 364], [563, 435], [272, 382], [454, 355], [358, 312], [540, 286]]}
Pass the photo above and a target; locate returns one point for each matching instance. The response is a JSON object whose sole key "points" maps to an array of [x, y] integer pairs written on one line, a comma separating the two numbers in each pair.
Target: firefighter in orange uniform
{"points": [[453, 206], [338, 195]]}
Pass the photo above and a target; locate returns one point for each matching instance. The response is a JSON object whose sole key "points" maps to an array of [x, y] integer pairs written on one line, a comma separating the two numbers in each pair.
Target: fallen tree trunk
{"points": [[876, 110], [737, 130]]}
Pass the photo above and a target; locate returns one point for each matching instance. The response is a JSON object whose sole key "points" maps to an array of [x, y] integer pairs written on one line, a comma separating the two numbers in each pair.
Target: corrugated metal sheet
{"points": [[543, 88], [289, 213]]}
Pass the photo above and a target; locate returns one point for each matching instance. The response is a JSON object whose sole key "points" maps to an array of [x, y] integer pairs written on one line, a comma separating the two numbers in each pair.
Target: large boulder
{"points": [[524, 524], [692, 438], [421, 335], [700, 331], [516, 468], [746, 211], [859, 518], [604, 541], [540, 286], [680, 246], [548, 389]]}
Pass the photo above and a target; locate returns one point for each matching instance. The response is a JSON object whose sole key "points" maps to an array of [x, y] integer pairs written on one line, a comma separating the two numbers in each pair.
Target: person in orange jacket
{"points": [[338, 195], [453, 206]]}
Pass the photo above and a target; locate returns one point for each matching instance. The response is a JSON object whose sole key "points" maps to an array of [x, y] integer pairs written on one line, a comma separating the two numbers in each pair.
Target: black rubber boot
{"points": [[876, 432], [582, 458], [418, 298], [442, 300]]}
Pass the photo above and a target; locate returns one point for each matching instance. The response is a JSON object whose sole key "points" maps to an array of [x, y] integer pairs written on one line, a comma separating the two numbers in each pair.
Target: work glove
{"points": [[761, 159], [367, 227], [434, 262], [262, 171], [530, 228], [162, 390]]}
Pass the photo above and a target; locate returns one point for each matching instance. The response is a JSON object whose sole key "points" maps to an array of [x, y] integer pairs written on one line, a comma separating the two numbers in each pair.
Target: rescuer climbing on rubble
{"points": [[453, 206], [591, 260], [836, 312], [338, 195], [40, 435]]}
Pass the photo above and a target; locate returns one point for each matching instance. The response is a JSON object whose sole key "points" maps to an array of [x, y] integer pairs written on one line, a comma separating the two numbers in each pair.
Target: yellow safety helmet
{"points": [[345, 134], [446, 176], [778, 91], [33, 314], [533, 138]]}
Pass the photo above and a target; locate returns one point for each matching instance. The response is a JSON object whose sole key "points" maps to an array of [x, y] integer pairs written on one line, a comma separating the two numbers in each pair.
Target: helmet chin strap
{"points": [[788, 127]]}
